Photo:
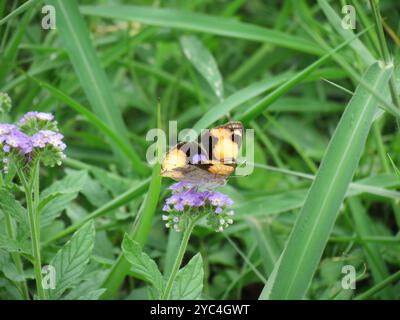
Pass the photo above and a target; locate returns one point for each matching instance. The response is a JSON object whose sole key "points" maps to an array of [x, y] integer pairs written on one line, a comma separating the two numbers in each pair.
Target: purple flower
{"points": [[36, 115], [38, 140], [212, 204], [180, 186], [219, 199], [14, 139], [29, 140], [47, 137], [6, 128], [179, 206], [174, 199], [218, 210]]}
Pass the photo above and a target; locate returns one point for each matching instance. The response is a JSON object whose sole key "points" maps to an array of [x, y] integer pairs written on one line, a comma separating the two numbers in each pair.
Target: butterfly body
{"points": [[209, 163]]}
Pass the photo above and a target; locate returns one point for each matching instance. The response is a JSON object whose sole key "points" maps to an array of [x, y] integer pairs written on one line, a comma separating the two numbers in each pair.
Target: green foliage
{"points": [[70, 261], [142, 265], [324, 192], [188, 284]]}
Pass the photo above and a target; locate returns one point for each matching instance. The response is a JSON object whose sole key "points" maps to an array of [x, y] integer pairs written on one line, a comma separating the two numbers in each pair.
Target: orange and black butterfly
{"points": [[209, 162]]}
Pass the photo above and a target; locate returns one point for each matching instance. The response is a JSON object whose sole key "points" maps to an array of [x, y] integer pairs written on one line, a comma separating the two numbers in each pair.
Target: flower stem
{"points": [[179, 257], [34, 226]]}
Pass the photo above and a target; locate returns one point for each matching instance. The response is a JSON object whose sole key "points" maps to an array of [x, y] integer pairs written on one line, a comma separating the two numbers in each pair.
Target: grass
{"points": [[324, 105]]}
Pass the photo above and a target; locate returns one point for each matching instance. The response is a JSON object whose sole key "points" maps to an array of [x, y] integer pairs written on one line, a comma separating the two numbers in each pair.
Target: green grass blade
{"points": [[256, 109], [93, 79], [293, 273], [237, 99], [346, 34], [202, 59], [18, 11], [140, 230], [363, 226], [8, 57], [378, 287], [266, 244], [200, 22]]}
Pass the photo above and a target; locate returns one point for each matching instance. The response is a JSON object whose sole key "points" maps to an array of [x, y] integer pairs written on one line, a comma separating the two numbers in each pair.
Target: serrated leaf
{"points": [[89, 287], [13, 245], [71, 260], [59, 195], [92, 295], [96, 194], [142, 264], [55, 207], [13, 207], [188, 284], [73, 182]]}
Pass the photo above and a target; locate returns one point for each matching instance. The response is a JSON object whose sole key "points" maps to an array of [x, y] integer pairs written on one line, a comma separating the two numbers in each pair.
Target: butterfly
{"points": [[209, 162]]}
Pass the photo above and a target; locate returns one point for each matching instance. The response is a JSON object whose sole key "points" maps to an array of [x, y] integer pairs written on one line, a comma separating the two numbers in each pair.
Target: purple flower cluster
{"points": [[11, 138], [47, 137], [43, 116], [186, 197], [31, 138]]}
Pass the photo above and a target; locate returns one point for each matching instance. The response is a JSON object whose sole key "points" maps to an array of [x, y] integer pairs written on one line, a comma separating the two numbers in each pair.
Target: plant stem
{"points": [[28, 188], [179, 257]]}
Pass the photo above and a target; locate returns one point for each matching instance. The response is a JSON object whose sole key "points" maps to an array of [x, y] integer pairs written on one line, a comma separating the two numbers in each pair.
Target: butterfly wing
{"points": [[223, 143], [209, 163]]}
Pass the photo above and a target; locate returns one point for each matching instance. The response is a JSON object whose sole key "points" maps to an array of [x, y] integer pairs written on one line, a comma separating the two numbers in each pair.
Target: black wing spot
{"points": [[208, 143]]}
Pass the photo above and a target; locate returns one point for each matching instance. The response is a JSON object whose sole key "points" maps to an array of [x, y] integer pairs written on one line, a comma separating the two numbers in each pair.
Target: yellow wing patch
{"points": [[212, 162]]}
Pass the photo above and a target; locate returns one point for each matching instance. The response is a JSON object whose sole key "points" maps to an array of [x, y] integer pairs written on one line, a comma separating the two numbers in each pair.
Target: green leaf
{"points": [[92, 295], [13, 207], [200, 22], [96, 194], [204, 62], [142, 265], [188, 284], [71, 260], [59, 195], [73, 182], [294, 271]]}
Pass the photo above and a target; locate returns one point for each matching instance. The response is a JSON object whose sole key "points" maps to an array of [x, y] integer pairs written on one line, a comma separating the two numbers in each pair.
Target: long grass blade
{"points": [[200, 22], [140, 229], [93, 79], [293, 273]]}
